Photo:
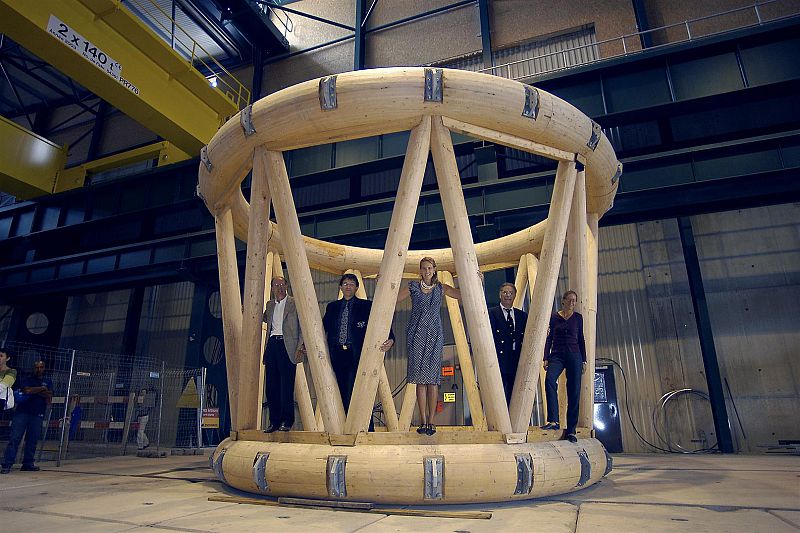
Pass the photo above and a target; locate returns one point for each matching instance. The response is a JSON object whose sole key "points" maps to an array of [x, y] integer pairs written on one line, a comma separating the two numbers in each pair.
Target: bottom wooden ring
{"points": [[411, 474]]}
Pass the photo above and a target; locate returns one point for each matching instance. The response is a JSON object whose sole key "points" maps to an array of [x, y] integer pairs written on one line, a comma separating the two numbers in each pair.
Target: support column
{"points": [[470, 283], [231, 300], [532, 262], [384, 390], [521, 281], [254, 281], [530, 362], [360, 36], [262, 368], [470, 383], [578, 272], [391, 276], [305, 296], [706, 336], [407, 409], [486, 33], [586, 417]]}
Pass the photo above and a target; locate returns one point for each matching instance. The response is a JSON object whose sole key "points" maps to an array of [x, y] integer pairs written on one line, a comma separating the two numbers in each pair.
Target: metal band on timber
{"points": [[501, 458]]}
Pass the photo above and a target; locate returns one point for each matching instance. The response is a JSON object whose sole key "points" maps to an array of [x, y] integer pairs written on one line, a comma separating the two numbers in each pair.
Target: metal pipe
{"points": [[65, 422], [201, 392], [160, 407]]}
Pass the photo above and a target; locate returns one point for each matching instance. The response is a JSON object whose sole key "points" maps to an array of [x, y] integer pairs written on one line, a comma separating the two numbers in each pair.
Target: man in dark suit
{"points": [[345, 324], [508, 328], [283, 350]]}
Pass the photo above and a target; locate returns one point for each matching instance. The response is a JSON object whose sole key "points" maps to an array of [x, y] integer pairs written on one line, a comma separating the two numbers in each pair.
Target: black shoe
{"points": [[430, 430], [5, 470], [30, 468], [551, 425], [572, 437], [271, 429], [423, 429], [285, 427]]}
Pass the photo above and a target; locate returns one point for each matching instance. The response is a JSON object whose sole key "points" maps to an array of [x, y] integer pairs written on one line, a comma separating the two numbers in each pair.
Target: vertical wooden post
{"points": [[254, 281], [262, 368], [533, 270], [407, 409], [231, 300], [586, 417], [384, 389], [318, 418], [470, 283], [520, 281], [391, 274], [577, 260], [532, 263], [530, 362], [304, 294], [470, 384]]}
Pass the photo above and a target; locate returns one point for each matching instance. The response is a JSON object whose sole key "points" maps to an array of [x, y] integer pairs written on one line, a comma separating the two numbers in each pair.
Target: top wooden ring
{"points": [[378, 101]]}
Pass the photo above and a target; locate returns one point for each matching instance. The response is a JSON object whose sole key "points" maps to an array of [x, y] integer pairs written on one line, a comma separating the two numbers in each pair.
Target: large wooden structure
{"points": [[500, 457]]}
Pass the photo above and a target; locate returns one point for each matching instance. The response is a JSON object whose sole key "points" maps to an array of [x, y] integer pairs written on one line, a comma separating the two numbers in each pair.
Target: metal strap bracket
{"points": [[609, 463], [434, 477], [337, 487], [531, 108], [524, 473], [597, 131], [216, 464], [246, 120], [327, 93], [617, 174], [205, 160], [260, 471], [434, 85], [586, 468]]}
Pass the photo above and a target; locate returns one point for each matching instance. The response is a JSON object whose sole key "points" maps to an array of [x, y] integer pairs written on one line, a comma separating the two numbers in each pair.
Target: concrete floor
{"points": [[674, 493]]}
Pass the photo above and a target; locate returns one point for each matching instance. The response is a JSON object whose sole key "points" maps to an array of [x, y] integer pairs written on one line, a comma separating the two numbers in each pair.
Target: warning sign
{"points": [[189, 398], [449, 397], [448, 371], [210, 418]]}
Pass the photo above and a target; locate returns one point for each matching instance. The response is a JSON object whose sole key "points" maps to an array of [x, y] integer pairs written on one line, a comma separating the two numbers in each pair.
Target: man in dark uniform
{"points": [[37, 391], [345, 324], [508, 328]]}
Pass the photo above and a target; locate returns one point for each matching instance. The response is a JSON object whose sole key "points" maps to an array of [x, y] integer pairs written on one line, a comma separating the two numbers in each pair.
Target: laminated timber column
{"points": [[231, 300], [530, 361], [384, 390], [464, 357], [520, 282], [407, 409], [302, 393], [532, 264], [305, 296], [391, 276], [470, 283], [262, 368], [577, 261], [254, 282], [586, 416]]}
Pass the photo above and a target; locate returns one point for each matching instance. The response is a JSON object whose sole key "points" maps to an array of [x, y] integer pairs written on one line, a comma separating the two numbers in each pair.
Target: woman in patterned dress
{"points": [[425, 338]]}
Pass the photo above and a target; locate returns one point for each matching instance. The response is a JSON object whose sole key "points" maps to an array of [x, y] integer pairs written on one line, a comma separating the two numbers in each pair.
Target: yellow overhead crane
{"points": [[114, 54]]}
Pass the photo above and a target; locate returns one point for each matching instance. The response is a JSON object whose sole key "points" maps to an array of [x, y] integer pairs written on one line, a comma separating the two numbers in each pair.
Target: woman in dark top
{"points": [[564, 349]]}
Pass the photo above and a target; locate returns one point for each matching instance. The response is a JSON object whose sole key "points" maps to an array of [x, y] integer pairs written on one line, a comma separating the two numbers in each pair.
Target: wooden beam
{"points": [[231, 300], [533, 269], [262, 368], [470, 383], [505, 139], [532, 354], [305, 296], [586, 416], [577, 260], [407, 409], [391, 274], [520, 282], [470, 282], [384, 389], [254, 281]]}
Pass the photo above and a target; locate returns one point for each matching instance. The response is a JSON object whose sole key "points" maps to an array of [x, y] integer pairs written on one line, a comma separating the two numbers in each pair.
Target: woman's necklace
{"points": [[425, 285]]}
